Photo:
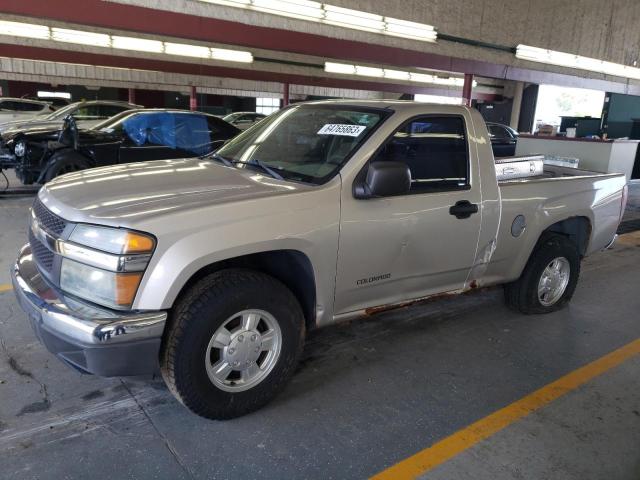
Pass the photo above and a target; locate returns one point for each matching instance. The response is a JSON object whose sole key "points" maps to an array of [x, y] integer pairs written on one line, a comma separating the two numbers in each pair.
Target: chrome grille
{"points": [[47, 219], [42, 255]]}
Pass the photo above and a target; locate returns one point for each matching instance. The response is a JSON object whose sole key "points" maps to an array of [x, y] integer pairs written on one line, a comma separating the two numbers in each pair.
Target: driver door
{"points": [[405, 247]]}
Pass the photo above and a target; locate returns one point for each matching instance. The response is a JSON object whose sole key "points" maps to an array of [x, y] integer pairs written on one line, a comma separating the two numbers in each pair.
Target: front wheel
{"points": [[61, 164], [549, 278], [234, 342]]}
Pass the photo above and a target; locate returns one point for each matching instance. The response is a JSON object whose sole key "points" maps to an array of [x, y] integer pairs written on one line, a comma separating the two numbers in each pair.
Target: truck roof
{"points": [[398, 105]]}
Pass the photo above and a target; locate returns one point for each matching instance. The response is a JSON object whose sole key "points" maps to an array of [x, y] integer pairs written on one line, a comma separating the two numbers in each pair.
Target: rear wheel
{"points": [[234, 342], [549, 278]]}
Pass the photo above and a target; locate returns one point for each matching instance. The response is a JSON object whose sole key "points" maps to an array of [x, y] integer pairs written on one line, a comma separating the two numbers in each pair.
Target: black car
{"points": [[503, 139], [41, 153]]}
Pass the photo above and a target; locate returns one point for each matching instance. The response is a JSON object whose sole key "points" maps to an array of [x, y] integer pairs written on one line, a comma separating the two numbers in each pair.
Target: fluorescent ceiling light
{"points": [[230, 3], [562, 59], [28, 30], [80, 37], [347, 69], [303, 9], [343, 68], [396, 74], [417, 31], [345, 17], [332, 15], [184, 50], [231, 55], [43, 94], [138, 44], [369, 71]]}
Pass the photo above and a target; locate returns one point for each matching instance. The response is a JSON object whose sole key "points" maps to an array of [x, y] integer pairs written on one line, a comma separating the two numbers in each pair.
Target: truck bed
{"points": [[556, 172], [528, 168]]}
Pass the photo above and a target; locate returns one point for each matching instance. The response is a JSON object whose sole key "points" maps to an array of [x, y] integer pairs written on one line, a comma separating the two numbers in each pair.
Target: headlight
{"points": [[104, 265], [106, 288], [112, 240], [20, 148]]}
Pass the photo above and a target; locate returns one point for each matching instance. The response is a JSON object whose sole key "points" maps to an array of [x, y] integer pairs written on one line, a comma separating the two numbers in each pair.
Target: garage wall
{"points": [[606, 30]]}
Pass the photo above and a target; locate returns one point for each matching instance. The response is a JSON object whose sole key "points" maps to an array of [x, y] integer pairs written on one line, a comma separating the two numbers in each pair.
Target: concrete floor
{"points": [[367, 395]]}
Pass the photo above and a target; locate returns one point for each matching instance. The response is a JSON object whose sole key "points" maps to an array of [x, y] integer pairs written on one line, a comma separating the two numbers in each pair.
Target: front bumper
{"points": [[93, 340]]}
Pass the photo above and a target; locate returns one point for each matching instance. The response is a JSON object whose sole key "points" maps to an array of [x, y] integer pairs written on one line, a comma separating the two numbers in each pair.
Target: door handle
{"points": [[463, 209]]}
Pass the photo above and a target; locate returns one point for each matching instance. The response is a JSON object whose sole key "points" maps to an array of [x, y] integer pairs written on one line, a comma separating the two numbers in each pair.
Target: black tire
{"points": [[197, 315], [522, 295], [59, 164]]}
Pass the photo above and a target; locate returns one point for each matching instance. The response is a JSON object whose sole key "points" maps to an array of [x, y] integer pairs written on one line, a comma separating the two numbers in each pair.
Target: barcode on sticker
{"points": [[341, 129]]}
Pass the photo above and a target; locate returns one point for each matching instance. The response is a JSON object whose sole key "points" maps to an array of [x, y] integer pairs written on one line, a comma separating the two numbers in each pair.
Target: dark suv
{"points": [[40, 154]]}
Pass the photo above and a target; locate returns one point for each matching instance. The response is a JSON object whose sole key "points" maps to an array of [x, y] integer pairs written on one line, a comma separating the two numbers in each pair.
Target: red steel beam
{"points": [[110, 15], [68, 56], [193, 99], [467, 89]]}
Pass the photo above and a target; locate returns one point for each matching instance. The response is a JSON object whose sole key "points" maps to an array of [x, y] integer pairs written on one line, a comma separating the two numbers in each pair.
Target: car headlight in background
{"points": [[20, 148], [104, 265]]}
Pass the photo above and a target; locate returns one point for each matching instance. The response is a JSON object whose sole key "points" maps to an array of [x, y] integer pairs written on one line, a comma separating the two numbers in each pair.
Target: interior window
{"points": [[499, 132], [435, 150]]}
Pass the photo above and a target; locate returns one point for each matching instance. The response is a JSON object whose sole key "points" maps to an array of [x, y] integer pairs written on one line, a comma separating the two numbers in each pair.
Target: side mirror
{"points": [[385, 179]]}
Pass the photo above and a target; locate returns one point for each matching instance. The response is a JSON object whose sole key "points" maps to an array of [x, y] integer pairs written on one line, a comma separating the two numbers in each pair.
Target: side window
{"points": [[88, 112], [193, 133], [435, 150], [9, 106], [499, 132], [108, 111], [217, 130], [30, 107]]}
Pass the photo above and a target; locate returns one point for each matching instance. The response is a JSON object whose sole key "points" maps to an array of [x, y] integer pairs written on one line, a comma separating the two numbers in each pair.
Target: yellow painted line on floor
{"points": [[429, 458], [4, 287]]}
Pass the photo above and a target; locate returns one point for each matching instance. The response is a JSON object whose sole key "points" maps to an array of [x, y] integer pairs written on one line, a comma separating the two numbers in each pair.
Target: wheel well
{"points": [[291, 267], [62, 154], [577, 229]]}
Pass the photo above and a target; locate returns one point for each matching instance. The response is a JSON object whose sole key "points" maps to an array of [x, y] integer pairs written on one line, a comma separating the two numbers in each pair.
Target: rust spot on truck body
{"points": [[419, 301], [473, 286]]}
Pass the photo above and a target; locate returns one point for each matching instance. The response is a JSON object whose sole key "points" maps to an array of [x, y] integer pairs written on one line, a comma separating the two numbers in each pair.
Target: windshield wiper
{"points": [[220, 158], [264, 167]]}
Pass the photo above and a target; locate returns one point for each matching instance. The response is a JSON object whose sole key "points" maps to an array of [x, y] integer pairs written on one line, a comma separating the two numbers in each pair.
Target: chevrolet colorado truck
{"points": [[212, 269]]}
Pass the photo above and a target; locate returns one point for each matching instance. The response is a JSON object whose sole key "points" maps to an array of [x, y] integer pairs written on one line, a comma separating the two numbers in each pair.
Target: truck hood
{"points": [[131, 193]]}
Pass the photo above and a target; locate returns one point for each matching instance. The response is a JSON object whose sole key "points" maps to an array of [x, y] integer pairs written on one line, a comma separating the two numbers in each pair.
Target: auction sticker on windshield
{"points": [[341, 129]]}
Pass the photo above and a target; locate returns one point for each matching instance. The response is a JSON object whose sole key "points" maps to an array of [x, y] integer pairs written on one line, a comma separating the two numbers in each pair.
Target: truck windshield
{"points": [[307, 143]]}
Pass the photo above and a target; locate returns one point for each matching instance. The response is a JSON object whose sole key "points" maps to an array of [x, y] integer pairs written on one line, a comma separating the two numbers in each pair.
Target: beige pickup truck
{"points": [[213, 269]]}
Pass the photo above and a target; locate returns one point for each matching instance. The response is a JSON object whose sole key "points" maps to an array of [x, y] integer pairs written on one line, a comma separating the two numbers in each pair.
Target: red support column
{"points": [[467, 88], [193, 99], [285, 95], [132, 95]]}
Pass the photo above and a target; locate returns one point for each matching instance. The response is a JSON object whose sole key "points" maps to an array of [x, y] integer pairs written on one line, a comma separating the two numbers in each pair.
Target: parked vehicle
{"points": [[244, 120], [42, 153], [213, 269], [503, 139], [86, 114], [22, 109], [56, 102]]}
